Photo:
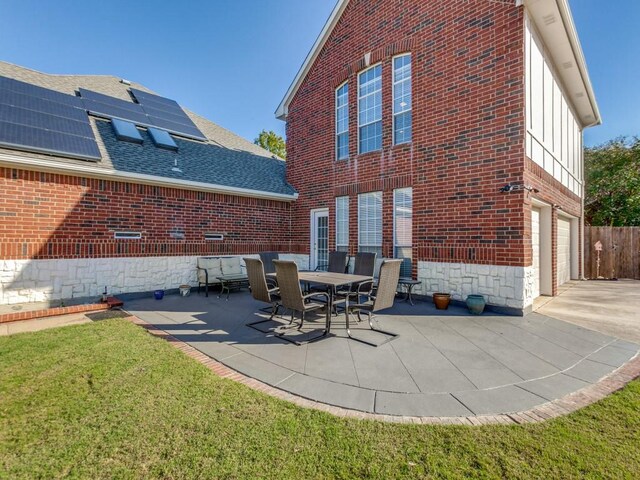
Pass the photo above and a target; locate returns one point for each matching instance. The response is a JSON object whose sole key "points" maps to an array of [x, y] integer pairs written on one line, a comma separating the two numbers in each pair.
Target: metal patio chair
{"points": [[292, 298], [260, 290], [365, 264], [384, 297]]}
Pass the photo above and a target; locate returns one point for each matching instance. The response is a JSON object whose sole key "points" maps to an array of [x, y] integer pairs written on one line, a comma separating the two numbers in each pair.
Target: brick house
{"points": [[448, 133], [84, 206]]}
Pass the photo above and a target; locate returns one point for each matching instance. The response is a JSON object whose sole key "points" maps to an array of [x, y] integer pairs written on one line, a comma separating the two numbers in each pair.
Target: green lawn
{"points": [[108, 400]]}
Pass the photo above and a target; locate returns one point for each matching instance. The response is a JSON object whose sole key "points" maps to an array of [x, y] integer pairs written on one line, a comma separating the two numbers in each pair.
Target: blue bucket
{"points": [[158, 294]]}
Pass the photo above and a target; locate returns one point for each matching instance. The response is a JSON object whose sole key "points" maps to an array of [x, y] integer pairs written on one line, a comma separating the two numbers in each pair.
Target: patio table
{"points": [[229, 282], [333, 281]]}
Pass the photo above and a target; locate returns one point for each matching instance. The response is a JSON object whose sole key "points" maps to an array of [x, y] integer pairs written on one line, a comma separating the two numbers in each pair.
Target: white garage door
{"points": [[564, 250], [535, 244]]}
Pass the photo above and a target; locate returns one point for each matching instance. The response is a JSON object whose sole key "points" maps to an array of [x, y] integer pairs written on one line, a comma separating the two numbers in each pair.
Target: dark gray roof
{"points": [[225, 159], [199, 162]]}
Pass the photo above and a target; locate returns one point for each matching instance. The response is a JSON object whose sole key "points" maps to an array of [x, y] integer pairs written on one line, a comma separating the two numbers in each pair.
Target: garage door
{"points": [[564, 250], [535, 245]]}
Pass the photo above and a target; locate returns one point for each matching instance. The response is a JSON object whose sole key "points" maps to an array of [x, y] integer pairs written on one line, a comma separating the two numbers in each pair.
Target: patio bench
{"points": [[209, 269]]}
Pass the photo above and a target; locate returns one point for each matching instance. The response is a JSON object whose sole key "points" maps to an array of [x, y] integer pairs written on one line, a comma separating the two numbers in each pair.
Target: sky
{"points": [[233, 60]]}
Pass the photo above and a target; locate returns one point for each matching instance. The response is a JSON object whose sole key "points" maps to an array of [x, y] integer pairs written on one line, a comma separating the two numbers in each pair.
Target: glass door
{"points": [[319, 256]]}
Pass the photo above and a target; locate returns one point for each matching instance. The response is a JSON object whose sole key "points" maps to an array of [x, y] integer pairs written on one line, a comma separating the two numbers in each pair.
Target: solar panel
{"points": [[22, 137], [167, 114], [105, 106], [162, 139], [126, 131], [38, 119]]}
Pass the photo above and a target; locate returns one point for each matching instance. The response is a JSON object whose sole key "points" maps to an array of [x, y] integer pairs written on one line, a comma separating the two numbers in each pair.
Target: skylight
{"points": [[162, 139], [126, 131]]}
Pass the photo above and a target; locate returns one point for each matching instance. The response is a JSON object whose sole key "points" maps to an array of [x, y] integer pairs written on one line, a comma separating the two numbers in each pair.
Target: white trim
{"points": [[560, 37], [283, 109], [111, 174]]}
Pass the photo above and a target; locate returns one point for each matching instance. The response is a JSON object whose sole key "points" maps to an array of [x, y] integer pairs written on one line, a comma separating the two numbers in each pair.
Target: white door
{"points": [[319, 238], [535, 246], [564, 250]]}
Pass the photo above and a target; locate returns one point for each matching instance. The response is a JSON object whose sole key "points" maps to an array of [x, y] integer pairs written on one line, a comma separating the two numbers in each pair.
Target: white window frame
{"points": [[379, 64], [346, 108], [393, 97], [344, 223], [380, 226]]}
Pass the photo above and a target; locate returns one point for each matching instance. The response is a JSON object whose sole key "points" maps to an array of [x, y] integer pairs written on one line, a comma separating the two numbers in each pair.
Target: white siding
{"points": [[554, 138]]}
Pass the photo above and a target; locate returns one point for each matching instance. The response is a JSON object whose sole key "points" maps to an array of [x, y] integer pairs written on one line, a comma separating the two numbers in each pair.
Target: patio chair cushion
{"points": [[231, 266], [212, 266]]}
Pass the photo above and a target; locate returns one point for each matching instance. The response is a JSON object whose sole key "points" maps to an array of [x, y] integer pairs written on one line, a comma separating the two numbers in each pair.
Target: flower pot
{"points": [[441, 300], [185, 290], [476, 304], [158, 294]]}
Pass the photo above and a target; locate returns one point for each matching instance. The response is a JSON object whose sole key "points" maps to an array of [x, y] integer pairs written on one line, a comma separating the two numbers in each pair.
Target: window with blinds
{"points": [[342, 224], [370, 109], [370, 222], [402, 225]]}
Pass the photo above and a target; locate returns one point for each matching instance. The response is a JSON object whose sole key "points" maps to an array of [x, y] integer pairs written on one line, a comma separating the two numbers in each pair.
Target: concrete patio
{"points": [[444, 364]]}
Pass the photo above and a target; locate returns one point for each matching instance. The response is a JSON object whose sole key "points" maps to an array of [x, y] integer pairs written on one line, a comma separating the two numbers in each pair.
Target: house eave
{"points": [[38, 164], [283, 109], [562, 43]]}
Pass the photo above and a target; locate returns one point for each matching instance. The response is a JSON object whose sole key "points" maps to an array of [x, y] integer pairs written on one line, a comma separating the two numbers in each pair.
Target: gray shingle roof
{"points": [[226, 159], [198, 162]]}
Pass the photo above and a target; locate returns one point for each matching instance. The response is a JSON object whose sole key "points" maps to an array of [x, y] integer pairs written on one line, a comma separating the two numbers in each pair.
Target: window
{"points": [[402, 99], [370, 109], [342, 224], [342, 122], [402, 224], [370, 222], [127, 235], [213, 237]]}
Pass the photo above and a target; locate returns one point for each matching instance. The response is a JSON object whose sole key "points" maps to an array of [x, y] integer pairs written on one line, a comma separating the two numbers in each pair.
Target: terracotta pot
{"points": [[476, 304], [441, 300]]}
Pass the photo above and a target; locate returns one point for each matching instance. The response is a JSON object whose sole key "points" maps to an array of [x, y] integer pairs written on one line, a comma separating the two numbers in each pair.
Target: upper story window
{"points": [[370, 109], [402, 99], [342, 224], [342, 122]]}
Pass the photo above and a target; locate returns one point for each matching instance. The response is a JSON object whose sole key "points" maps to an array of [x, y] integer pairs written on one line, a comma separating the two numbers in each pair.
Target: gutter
{"points": [[111, 174]]}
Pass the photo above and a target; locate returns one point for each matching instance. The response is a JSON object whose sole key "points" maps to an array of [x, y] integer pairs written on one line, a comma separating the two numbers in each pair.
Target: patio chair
{"points": [[337, 262], [259, 288], [385, 294], [365, 264], [267, 261], [292, 298]]}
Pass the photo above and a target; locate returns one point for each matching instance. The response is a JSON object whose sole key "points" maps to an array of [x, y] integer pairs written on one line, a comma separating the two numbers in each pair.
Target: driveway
{"points": [[609, 307]]}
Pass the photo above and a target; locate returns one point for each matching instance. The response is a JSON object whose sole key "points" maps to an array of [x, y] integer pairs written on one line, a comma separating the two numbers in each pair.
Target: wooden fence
{"points": [[620, 255]]}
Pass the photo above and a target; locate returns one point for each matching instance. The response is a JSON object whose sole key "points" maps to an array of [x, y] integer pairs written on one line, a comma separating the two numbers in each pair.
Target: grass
{"points": [[107, 400]]}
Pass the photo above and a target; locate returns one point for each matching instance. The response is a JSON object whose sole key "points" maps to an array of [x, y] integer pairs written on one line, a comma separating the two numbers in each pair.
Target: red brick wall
{"points": [[44, 215], [468, 127]]}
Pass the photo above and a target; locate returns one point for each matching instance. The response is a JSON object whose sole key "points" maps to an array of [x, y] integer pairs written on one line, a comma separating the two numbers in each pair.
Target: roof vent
{"points": [[126, 131], [567, 65], [125, 81], [579, 95], [549, 19]]}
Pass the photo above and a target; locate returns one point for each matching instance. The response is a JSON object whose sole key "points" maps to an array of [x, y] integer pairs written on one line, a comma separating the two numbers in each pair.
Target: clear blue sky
{"points": [[232, 60]]}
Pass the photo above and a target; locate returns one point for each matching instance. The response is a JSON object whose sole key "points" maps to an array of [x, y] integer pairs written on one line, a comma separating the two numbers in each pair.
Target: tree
{"points": [[272, 142], [612, 195]]}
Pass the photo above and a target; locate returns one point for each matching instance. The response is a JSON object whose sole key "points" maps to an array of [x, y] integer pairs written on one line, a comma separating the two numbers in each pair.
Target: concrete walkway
{"points": [[444, 364]]}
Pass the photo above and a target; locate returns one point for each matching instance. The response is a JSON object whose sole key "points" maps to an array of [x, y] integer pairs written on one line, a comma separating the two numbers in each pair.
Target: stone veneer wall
{"points": [[24, 281], [501, 285]]}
